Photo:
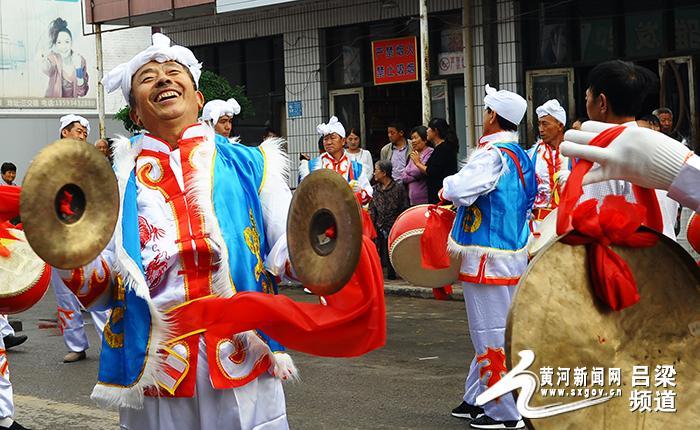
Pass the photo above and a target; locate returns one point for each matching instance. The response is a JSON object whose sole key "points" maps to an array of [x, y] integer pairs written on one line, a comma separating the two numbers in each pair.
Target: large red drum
{"points": [[693, 231], [24, 277], [405, 255]]}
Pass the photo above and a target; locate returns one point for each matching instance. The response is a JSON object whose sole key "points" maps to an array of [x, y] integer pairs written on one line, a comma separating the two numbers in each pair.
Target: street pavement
{"points": [[411, 383]]}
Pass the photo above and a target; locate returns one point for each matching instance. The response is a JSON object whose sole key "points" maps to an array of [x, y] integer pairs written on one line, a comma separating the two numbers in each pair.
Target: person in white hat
{"points": [[74, 127], [219, 114], [494, 192], [551, 168], [199, 219], [336, 158]]}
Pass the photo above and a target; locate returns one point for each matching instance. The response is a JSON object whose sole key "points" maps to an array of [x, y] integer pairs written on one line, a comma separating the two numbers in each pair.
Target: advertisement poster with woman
{"points": [[45, 61]]}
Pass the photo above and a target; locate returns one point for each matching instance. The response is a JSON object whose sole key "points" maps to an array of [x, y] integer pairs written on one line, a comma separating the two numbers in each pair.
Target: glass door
{"points": [[349, 106]]}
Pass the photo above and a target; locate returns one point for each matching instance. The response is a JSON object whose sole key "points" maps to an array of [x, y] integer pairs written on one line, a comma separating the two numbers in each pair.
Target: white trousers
{"points": [[258, 405], [71, 318], [5, 327], [7, 406], [487, 311]]}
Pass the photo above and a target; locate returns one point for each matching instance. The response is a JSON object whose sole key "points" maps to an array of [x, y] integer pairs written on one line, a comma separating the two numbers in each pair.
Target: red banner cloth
{"points": [[433, 241], [9, 208], [9, 202], [352, 323], [616, 224]]}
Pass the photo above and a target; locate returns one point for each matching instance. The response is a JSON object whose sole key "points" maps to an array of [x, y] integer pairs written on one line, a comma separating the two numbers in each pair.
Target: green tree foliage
{"points": [[213, 87]]}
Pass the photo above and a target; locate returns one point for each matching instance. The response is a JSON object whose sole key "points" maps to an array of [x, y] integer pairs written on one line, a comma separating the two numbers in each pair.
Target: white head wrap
{"points": [[508, 105], [70, 119], [552, 107], [333, 126], [215, 109], [160, 51]]}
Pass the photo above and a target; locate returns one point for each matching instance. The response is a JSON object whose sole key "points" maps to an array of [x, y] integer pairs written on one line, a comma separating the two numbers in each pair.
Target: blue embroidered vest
{"points": [[237, 176], [497, 221]]}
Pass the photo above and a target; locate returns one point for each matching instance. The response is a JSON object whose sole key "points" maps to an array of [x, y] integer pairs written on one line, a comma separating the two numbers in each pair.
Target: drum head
{"points": [[406, 259], [555, 314], [69, 203], [20, 273], [323, 262], [546, 234]]}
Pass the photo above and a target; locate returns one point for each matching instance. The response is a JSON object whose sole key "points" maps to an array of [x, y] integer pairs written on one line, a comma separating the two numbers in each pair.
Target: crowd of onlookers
{"points": [[410, 168], [413, 164]]}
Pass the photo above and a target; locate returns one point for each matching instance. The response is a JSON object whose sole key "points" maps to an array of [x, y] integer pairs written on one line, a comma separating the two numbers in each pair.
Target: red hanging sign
{"points": [[394, 60]]}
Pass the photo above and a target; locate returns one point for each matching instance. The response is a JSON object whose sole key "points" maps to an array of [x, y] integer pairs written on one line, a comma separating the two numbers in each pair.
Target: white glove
{"points": [[355, 185], [283, 367], [639, 155]]}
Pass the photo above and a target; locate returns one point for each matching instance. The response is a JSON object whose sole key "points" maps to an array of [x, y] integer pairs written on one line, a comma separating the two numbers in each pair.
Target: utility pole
{"points": [[100, 87], [425, 60], [467, 31]]}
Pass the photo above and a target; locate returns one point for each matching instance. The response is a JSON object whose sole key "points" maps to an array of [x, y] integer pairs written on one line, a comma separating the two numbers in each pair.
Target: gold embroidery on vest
{"points": [[252, 239], [472, 219], [116, 340]]}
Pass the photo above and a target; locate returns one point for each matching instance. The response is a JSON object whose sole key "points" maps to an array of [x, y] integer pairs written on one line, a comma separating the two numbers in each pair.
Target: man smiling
{"points": [[198, 219]]}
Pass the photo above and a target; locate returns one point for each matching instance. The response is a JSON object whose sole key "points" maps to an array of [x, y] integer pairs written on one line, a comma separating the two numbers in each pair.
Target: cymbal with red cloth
{"points": [[324, 232], [69, 203]]}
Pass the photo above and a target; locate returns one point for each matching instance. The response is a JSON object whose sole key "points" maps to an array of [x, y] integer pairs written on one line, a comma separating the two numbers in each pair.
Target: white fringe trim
{"points": [[198, 193], [476, 252], [108, 396], [275, 195], [282, 366]]}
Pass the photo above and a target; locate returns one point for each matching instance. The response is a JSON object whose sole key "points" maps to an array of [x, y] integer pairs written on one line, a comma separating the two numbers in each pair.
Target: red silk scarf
{"points": [[352, 323], [617, 223], [433, 241]]}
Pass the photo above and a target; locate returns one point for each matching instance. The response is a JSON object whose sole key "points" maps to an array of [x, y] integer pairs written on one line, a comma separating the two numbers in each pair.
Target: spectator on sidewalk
{"points": [[355, 151], [388, 201], [443, 161], [396, 150], [9, 173], [412, 175], [665, 116]]}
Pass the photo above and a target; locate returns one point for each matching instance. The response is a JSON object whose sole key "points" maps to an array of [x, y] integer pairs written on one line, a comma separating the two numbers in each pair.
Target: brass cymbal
{"points": [[69, 203], [556, 315], [324, 260]]}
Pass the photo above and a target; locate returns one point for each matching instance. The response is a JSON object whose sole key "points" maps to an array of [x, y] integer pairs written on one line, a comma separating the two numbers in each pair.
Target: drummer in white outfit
{"points": [[69, 310], [494, 192]]}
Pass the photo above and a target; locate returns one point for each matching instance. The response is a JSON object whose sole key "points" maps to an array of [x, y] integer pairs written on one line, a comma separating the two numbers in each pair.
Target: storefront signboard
{"points": [[394, 60]]}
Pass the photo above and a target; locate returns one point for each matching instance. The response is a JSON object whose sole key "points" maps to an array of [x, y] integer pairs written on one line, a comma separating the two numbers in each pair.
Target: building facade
{"points": [[35, 92], [304, 60]]}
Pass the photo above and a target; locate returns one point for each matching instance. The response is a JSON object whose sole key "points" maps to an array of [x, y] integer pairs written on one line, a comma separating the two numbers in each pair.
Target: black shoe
{"points": [[486, 422], [15, 426], [465, 410], [12, 341]]}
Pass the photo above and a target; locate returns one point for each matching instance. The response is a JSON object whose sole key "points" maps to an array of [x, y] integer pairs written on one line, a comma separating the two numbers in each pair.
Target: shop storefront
{"points": [[563, 42], [373, 72]]}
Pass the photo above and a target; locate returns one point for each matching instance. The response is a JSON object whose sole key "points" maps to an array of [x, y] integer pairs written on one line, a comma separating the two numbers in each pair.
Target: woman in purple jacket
{"points": [[412, 176]]}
